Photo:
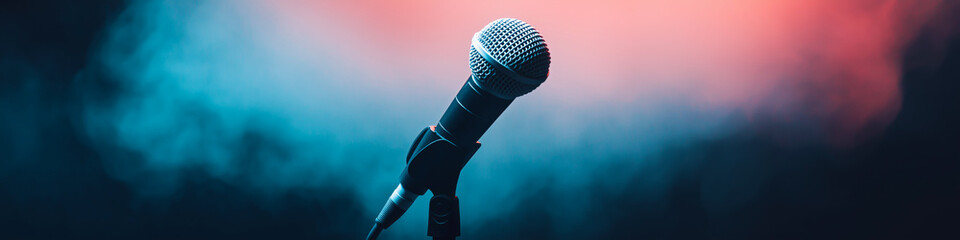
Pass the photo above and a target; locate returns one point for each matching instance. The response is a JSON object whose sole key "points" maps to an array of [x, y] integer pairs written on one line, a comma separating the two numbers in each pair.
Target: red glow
{"points": [[836, 62]]}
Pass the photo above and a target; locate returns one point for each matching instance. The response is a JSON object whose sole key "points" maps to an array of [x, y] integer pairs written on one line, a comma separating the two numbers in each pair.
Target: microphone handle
{"points": [[470, 114], [438, 154]]}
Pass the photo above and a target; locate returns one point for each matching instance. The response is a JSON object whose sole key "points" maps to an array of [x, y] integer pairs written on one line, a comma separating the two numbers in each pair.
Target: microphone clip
{"points": [[434, 163]]}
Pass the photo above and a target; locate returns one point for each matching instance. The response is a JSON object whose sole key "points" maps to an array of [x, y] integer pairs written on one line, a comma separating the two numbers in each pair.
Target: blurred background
{"points": [[741, 119]]}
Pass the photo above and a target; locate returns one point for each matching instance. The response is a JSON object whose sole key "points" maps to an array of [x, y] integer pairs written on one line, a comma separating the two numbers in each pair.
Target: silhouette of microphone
{"points": [[508, 59]]}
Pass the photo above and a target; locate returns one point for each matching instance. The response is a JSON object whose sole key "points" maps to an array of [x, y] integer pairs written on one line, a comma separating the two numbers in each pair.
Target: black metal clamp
{"points": [[434, 163]]}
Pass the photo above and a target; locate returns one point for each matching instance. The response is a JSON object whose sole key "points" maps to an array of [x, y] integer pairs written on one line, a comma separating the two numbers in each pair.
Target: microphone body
{"points": [[439, 152], [470, 114]]}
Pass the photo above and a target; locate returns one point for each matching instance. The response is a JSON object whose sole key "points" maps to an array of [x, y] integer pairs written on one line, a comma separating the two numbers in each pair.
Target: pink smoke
{"points": [[835, 63]]}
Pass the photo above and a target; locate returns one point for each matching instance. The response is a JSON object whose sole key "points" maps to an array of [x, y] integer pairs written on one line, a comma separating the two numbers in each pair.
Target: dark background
{"points": [[902, 184]]}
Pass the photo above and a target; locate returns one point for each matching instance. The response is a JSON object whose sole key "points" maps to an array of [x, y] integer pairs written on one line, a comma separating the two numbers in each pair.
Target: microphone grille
{"points": [[511, 60]]}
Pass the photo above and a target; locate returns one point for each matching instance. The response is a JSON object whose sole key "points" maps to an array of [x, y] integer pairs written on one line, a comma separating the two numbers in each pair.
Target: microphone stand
{"points": [[434, 163]]}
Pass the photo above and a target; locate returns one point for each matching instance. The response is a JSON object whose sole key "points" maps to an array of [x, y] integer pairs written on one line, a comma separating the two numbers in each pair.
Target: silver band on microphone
{"points": [[402, 197]]}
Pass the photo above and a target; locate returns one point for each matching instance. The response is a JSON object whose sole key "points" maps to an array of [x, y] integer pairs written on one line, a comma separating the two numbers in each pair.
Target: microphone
{"points": [[508, 58]]}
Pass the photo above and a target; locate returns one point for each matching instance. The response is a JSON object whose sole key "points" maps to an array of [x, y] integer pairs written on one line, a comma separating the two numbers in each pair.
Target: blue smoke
{"points": [[209, 88]]}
